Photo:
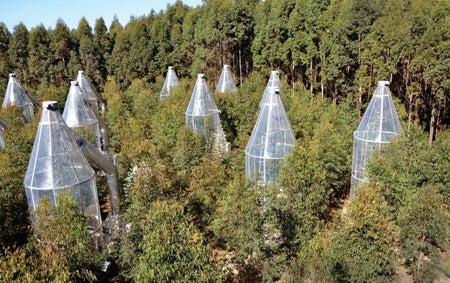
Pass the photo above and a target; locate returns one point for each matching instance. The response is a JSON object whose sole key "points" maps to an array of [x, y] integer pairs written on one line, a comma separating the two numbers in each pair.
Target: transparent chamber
{"points": [[202, 115], [379, 125], [226, 83], [170, 83], [58, 166], [271, 140], [273, 83], [17, 96], [2, 141], [3, 127], [80, 116], [91, 96]]}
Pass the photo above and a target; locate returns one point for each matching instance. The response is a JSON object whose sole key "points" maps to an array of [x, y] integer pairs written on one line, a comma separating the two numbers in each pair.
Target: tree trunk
{"points": [[240, 65], [311, 77], [321, 89], [293, 76], [359, 106], [433, 122], [410, 108], [410, 96], [335, 95]]}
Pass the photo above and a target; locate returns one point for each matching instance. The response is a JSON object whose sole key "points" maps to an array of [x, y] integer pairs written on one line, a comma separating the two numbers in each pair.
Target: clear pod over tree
{"points": [[271, 140], [379, 125]]}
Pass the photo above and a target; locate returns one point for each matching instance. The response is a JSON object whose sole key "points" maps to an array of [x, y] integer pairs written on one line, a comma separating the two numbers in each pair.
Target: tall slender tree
{"points": [[304, 41], [61, 44], [5, 37], [39, 61], [271, 33], [103, 47], [18, 51]]}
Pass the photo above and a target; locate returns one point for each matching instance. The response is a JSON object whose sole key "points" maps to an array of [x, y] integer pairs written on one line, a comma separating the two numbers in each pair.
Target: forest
{"points": [[188, 214]]}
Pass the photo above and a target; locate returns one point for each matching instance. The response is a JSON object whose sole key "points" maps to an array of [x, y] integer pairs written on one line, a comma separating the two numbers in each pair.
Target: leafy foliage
{"points": [[425, 232], [59, 249], [172, 250], [190, 215]]}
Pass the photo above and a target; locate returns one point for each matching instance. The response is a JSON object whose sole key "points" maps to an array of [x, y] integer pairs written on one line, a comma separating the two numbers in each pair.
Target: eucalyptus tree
{"points": [[133, 52], [5, 68], [171, 249], [14, 221], [184, 56], [208, 40], [413, 179], [87, 48], [83, 29], [181, 21], [38, 57], [63, 252], [61, 45], [430, 21], [413, 56], [115, 29], [18, 51], [316, 175], [271, 34], [304, 42], [361, 249], [389, 56], [424, 233], [160, 45], [345, 25], [237, 28], [142, 48], [103, 47]]}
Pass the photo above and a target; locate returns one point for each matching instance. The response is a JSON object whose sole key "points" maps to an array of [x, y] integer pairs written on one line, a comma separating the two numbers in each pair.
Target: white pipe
{"points": [[103, 163], [103, 133], [32, 98]]}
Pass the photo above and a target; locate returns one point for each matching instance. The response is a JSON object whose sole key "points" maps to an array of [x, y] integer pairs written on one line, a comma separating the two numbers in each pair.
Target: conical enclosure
{"points": [[88, 92], [379, 125], [271, 140], [79, 116], [2, 140], [58, 166], [202, 115], [226, 83], [273, 83], [16, 95], [3, 127], [170, 83]]}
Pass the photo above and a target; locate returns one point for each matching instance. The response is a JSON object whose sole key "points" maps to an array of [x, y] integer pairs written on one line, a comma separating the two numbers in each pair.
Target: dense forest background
{"points": [[191, 215]]}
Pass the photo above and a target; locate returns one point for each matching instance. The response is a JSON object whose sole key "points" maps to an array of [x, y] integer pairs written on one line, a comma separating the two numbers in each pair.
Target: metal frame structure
{"points": [[226, 83], [379, 125], [170, 83], [271, 140]]}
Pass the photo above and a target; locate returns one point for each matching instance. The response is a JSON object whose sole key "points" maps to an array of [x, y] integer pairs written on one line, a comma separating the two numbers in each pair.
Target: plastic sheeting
{"points": [[226, 83], [203, 117], [379, 125], [271, 140], [273, 83], [2, 141], [79, 116], [16, 95], [202, 109], [89, 94], [170, 83], [58, 166], [3, 127]]}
